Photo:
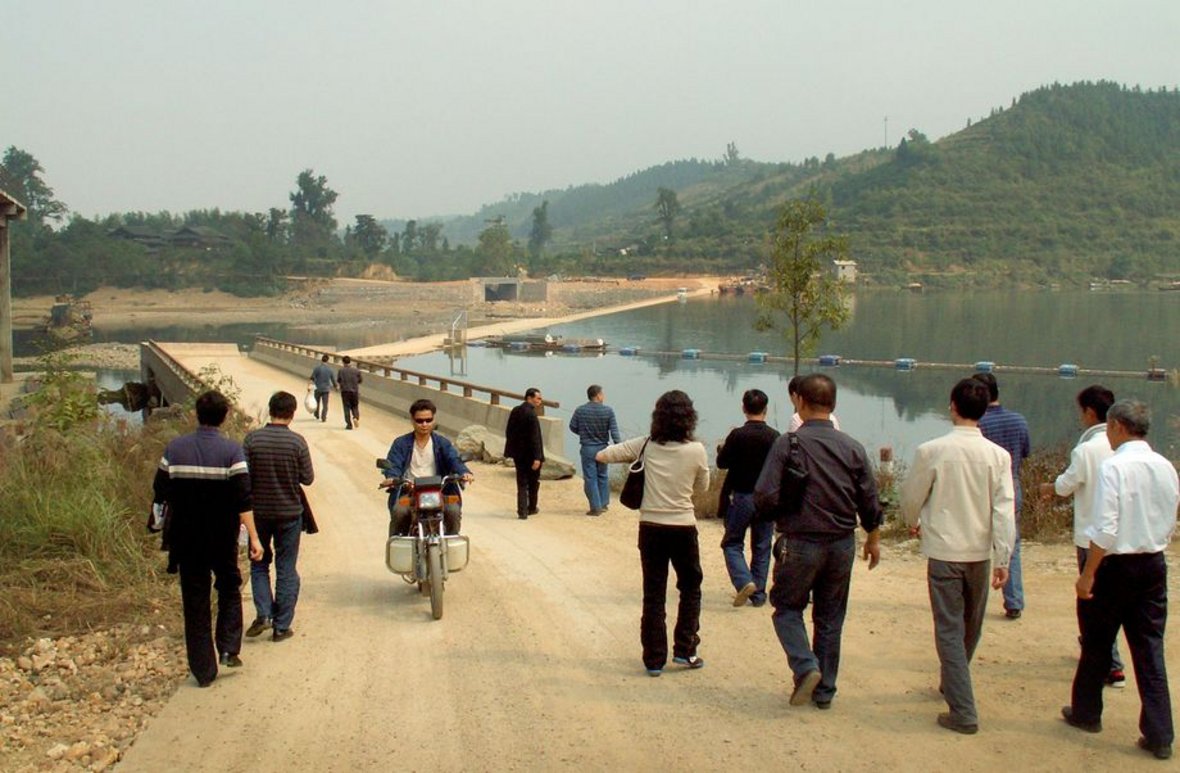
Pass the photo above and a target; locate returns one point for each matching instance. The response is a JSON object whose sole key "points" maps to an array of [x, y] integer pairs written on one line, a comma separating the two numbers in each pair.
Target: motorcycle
{"points": [[428, 555]]}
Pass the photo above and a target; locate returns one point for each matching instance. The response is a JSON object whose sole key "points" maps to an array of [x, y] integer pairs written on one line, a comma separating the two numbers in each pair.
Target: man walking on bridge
{"points": [[323, 379], [595, 425], [525, 447], [349, 379]]}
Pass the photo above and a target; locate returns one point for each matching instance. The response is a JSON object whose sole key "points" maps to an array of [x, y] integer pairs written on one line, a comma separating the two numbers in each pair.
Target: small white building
{"points": [[844, 270]]}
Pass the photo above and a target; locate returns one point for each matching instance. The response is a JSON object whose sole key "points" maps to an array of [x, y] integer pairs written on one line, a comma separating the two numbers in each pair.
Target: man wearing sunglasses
{"points": [[423, 453]]}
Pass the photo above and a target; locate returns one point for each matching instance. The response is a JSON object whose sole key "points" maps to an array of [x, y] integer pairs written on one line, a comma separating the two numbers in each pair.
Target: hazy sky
{"points": [[433, 107]]}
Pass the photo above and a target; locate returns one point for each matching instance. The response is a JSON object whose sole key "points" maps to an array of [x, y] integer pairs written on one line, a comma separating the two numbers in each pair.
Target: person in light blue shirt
{"points": [[595, 425]]}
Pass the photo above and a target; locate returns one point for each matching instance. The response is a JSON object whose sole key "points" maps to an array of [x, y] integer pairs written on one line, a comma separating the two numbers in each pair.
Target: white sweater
{"points": [[674, 472]]}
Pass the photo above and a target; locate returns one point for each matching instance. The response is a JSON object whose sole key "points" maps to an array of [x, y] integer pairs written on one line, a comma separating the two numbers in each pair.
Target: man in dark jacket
{"points": [[349, 379], [525, 447], [323, 380], [204, 481], [817, 545], [279, 463], [423, 453]]}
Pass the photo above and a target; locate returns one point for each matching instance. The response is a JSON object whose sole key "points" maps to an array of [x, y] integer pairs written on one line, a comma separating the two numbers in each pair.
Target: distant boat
{"points": [[546, 343], [914, 287]]}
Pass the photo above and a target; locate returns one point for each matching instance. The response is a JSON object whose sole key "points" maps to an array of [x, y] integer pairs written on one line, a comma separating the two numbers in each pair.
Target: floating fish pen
{"points": [[544, 343]]}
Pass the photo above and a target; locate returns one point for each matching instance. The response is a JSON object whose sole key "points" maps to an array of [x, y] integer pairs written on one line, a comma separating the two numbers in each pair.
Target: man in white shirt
{"points": [[1125, 580], [959, 495], [1079, 481]]}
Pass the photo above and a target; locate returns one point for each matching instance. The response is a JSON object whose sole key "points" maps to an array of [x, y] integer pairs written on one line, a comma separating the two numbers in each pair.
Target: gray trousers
{"points": [[958, 599]]}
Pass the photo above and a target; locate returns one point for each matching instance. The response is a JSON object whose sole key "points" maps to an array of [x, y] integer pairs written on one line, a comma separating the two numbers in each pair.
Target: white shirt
{"points": [[1135, 502], [422, 460], [1081, 478]]}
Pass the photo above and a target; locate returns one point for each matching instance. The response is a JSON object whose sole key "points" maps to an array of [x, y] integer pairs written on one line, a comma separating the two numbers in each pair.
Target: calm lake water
{"points": [[878, 406]]}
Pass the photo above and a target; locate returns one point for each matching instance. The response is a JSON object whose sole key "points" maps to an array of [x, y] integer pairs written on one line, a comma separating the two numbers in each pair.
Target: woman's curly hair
{"points": [[674, 418]]}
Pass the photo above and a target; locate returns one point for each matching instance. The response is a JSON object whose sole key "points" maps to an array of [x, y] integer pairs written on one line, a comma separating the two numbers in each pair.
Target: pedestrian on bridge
{"points": [[323, 380], [595, 425], [349, 379], [526, 448]]}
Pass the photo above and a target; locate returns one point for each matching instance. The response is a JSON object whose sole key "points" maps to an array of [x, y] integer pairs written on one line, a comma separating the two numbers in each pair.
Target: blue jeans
{"points": [[280, 605], [595, 480], [823, 571], [739, 518], [1014, 588]]}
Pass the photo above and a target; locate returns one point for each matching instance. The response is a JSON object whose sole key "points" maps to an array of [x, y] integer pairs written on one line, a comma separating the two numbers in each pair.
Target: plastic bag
{"points": [[309, 401]]}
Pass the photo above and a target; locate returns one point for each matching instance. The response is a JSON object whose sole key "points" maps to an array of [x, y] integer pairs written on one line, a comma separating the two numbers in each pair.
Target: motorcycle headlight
{"points": [[430, 500]]}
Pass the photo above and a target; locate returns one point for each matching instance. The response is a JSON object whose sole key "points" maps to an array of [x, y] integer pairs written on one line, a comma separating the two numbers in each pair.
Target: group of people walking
{"points": [[797, 497]]}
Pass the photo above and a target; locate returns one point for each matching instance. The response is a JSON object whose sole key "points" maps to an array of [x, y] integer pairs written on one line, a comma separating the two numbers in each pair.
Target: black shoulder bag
{"points": [[632, 494]]}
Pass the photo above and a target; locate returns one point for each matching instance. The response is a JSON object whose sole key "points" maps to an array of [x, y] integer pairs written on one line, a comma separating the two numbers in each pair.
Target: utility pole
{"points": [[10, 209]]}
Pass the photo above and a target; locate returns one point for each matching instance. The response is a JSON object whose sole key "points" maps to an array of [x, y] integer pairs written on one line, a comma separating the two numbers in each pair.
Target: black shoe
{"points": [[205, 682], [822, 705], [522, 517], [259, 625], [1012, 614], [692, 661], [1160, 752], [592, 511], [282, 634], [534, 511], [1070, 719], [229, 661], [945, 720]]}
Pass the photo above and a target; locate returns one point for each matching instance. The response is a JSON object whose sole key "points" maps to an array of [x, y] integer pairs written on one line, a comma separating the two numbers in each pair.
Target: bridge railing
{"points": [[158, 356], [495, 395]]}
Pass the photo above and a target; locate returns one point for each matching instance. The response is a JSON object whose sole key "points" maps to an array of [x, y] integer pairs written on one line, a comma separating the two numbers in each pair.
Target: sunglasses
{"points": [[424, 421]]}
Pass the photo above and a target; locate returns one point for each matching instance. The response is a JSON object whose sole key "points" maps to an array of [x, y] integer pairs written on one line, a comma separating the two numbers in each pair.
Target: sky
{"points": [[435, 107]]}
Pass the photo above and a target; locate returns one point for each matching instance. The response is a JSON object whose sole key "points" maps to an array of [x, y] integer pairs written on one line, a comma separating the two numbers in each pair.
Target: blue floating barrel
{"points": [[691, 354], [629, 351], [518, 346], [758, 357], [571, 348], [985, 366], [905, 363], [1067, 370], [830, 360]]}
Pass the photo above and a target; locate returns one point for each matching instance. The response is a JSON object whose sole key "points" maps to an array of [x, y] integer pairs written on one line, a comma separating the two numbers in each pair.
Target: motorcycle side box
{"points": [[457, 552], [399, 555]]}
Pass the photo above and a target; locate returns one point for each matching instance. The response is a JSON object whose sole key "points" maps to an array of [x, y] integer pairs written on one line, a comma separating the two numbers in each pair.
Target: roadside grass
{"points": [[76, 488]]}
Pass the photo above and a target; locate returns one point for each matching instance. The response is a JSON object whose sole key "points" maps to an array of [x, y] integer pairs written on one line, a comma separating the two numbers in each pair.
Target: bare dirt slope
{"points": [[535, 665]]}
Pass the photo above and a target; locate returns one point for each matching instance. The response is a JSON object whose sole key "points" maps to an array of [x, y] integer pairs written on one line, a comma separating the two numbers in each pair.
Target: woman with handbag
{"points": [[673, 467]]}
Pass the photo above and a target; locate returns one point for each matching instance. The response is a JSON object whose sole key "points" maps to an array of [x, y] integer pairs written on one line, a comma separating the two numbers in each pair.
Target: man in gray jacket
{"points": [[323, 380], [349, 379]]}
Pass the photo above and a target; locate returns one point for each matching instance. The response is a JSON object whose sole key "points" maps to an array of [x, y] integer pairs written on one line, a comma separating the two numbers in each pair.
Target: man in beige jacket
{"points": [[959, 494]]}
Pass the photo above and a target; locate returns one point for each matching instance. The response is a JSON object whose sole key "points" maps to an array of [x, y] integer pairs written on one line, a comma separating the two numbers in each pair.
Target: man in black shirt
{"points": [[526, 448], [743, 453], [817, 545]]}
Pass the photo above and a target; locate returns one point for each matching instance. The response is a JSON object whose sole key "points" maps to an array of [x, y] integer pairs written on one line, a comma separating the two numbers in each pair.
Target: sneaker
{"points": [[654, 671], [1012, 614], [230, 661], [1160, 752], [743, 595], [947, 721], [592, 511], [692, 661], [1072, 721], [804, 688], [259, 625], [1116, 679], [281, 634]]}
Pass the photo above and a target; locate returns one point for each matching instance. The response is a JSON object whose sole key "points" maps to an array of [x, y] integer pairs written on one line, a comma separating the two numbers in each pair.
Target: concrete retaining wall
{"points": [[455, 412]]}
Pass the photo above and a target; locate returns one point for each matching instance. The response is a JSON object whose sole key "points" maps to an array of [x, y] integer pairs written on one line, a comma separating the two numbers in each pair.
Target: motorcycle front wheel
{"points": [[434, 559]]}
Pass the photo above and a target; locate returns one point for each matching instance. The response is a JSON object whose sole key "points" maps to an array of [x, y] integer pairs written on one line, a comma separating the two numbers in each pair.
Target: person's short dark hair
{"points": [[282, 405], [970, 397], [592, 391], [989, 381], [1098, 398], [819, 390], [212, 408], [532, 392], [754, 402], [347, 359], [793, 385], [324, 358], [674, 418], [1132, 415], [422, 404]]}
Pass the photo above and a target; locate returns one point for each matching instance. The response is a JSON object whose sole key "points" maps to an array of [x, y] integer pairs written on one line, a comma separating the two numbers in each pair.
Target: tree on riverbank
{"points": [[803, 297]]}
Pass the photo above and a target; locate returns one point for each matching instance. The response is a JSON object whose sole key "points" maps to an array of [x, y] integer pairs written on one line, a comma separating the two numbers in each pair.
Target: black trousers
{"points": [[352, 407], [1129, 591], [528, 484], [198, 575], [658, 547]]}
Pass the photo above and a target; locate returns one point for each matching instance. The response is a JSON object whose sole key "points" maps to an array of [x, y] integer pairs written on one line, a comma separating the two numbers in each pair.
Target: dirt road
{"points": [[535, 665]]}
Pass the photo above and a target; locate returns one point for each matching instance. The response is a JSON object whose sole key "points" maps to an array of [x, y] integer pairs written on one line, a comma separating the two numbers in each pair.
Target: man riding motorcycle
{"points": [[420, 454]]}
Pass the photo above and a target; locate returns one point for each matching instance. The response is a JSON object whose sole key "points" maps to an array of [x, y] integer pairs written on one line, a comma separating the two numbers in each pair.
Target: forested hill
{"points": [[1068, 182]]}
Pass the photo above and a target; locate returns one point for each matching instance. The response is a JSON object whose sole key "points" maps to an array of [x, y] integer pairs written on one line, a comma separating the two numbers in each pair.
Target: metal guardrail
{"points": [[495, 395]]}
